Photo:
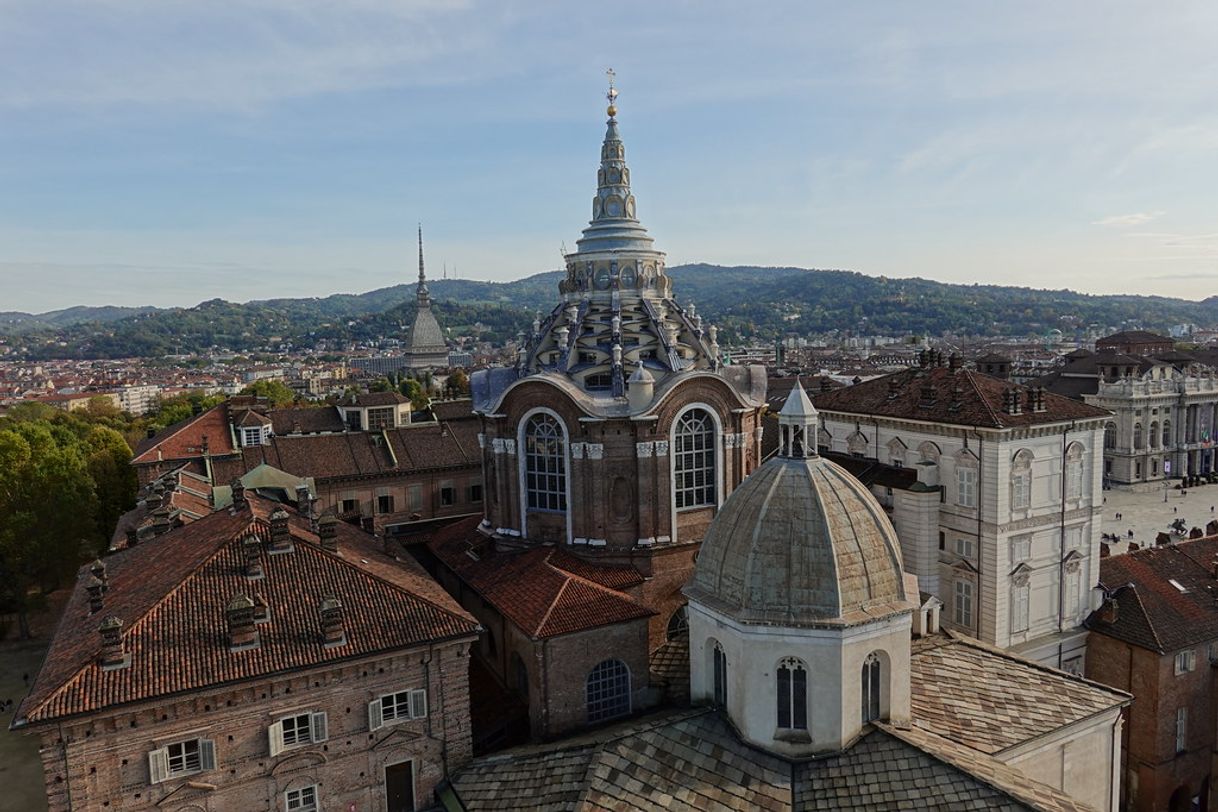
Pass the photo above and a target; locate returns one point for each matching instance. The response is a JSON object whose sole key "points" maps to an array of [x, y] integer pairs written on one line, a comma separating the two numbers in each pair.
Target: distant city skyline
{"points": [[167, 153]]}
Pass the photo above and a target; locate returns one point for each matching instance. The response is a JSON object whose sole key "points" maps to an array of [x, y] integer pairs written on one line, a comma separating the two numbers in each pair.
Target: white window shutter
{"points": [[319, 731], [274, 734], [375, 720], [158, 766], [418, 703], [207, 754]]}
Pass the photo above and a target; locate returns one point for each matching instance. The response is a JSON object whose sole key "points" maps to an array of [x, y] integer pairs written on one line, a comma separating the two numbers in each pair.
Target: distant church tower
{"points": [[425, 347], [619, 432]]}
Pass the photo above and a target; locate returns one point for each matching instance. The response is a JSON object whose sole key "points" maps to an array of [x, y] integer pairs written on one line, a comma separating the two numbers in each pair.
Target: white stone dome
{"points": [[801, 542]]}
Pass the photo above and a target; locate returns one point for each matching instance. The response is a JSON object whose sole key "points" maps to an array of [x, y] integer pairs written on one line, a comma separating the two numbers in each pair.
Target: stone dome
{"points": [[801, 542]]}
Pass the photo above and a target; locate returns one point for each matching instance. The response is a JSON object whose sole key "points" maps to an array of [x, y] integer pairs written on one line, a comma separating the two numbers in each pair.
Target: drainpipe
{"points": [[980, 483], [1061, 547]]}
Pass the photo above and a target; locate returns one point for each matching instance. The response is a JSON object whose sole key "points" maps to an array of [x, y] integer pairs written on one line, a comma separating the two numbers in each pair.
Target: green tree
{"points": [[277, 392], [457, 384], [419, 398]]}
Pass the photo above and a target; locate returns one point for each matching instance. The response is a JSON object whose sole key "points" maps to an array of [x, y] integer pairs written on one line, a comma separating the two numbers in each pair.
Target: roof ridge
{"points": [[588, 581], [541, 624], [181, 426], [1154, 633], [971, 376]]}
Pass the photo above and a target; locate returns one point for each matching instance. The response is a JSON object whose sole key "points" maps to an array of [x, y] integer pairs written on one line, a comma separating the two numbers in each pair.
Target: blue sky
{"points": [[169, 151]]}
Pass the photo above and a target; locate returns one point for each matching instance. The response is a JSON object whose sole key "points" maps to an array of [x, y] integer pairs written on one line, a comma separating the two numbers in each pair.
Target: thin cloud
{"points": [[1128, 220]]}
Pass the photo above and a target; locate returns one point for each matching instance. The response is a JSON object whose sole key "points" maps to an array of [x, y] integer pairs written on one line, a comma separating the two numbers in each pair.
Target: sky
{"points": [[167, 152]]}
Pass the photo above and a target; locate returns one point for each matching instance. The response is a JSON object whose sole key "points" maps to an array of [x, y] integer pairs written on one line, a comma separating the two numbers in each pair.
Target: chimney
{"points": [[824, 385], [1031, 396], [281, 536], [332, 622], [954, 361], [112, 653], [95, 588], [1133, 547], [924, 359], [239, 616], [133, 536], [327, 531], [1109, 611], [302, 499], [205, 445], [98, 570], [251, 554], [262, 612], [894, 387], [928, 395], [238, 494]]}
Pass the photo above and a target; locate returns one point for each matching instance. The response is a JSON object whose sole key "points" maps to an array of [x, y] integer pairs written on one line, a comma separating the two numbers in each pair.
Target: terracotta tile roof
{"points": [[693, 761], [978, 401], [460, 409], [539, 597], [306, 420], [612, 576], [185, 439], [171, 594], [367, 399], [989, 700], [1154, 613], [250, 418]]}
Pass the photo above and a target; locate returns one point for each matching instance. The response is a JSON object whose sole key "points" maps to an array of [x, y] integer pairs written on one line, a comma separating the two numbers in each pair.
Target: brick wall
{"points": [[102, 761]]}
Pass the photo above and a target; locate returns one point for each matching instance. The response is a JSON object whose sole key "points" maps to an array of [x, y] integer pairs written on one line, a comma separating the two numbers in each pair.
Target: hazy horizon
{"points": [[264, 148]]}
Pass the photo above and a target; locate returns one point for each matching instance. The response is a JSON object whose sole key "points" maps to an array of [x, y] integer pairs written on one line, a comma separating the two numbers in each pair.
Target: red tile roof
{"points": [[962, 397], [185, 439], [533, 588], [171, 594]]}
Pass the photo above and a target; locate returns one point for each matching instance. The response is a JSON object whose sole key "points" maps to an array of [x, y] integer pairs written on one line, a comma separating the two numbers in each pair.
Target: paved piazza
{"points": [[1147, 514]]}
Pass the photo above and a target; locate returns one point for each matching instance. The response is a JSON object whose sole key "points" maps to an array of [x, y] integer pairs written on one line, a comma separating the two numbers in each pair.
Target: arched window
{"points": [[545, 464], [871, 688], [678, 624], [607, 691], [720, 668], [1137, 436], [1167, 434], [896, 452], [1074, 471], [1021, 480], [792, 683], [693, 476], [1152, 439], [856, 444], [1110, 435]]}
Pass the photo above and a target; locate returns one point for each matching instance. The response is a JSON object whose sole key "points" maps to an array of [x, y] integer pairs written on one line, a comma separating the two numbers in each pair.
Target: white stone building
{"points": [[999, 516]]}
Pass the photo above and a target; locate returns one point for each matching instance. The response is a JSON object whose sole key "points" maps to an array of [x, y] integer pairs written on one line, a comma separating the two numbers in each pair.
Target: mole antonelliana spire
{"points": [[425, 347]]}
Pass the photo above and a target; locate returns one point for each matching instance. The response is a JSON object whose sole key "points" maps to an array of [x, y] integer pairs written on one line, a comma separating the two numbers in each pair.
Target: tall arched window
{"points": [[1074, 471], [1167, 434], [792, 683], [720, 668], [1021, 480], [607, 691], [545, 464], [871, 688], [694, 475], [1152, 439], [1137, 436], [1110, 435], [678, 624]]}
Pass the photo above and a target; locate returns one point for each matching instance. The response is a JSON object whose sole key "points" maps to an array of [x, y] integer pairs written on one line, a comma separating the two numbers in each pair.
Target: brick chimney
{"points": [[251, 554], [302, 499], [98, 570], [238, 495], [332, 631], [133, 536], [95, 588], [113, 655], [894, 388], [239, 616], [1109, 611], [954, 361], [327, 531], [281, 536]]}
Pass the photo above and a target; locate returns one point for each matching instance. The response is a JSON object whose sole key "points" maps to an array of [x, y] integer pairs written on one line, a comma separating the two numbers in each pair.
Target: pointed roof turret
{"points": [[798, 424], [425, 345]]}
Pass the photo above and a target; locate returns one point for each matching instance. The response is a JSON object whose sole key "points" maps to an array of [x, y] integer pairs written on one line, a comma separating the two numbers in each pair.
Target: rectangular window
{"points": [[964, 548], [1021, 549], [301, 800], [181, 758], [384, 503], [1072, 582], [964, 604], [448, 494], [1074, 479], [1021, 490], [251, 437], [1186, 661], [966, 486], [400, 707], [353, 420], [1019, 609], [381, 418], [475, 492], [1181, 730], [349, 506], [296, 730]]}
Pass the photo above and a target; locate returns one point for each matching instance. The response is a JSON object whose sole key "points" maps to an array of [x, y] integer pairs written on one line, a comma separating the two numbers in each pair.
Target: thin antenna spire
{"points": [[422, 278]]}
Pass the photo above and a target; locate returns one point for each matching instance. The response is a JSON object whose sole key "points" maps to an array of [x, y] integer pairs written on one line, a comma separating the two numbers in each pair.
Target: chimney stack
{"points": [[239, 615], [281, 537], [251, 553], [95, 588], [1109, 611], [327, 531], [332, 622], [954, 361], [302, 499], [238, 494], [894, 387], [824, 384], [98, 570], [133, 536], [112, 653]]}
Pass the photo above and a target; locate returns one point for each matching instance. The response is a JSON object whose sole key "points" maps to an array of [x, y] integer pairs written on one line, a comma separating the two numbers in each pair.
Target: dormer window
{"points": [[599, 381], [255, 436]]}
